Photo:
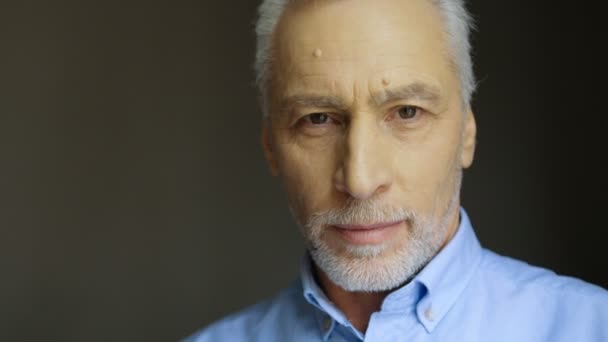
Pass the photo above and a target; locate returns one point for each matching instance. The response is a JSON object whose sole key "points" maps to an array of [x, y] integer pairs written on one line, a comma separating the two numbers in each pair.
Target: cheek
{"points": [[307, 176], [425, 169]]}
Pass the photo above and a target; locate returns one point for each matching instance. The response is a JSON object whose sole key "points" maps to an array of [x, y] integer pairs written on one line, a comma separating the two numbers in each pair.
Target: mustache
{"points": [[361, 212]]}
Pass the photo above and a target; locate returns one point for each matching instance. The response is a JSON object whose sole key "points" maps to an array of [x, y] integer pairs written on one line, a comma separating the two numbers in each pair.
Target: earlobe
{"points": [[267, 146], [468, 140]]}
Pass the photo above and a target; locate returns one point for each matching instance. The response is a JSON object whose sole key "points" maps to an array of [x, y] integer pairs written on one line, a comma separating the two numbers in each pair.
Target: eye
{"points": [[318, 118], [408, 112], [318, 124]]}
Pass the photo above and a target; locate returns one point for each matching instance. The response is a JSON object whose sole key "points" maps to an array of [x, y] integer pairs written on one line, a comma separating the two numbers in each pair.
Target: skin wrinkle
{"points": [[455, 28], [313, 101], [416, 91], [413, 91], [374, 165]]}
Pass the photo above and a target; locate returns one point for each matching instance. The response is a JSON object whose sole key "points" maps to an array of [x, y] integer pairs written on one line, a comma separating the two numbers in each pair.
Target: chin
{"points": [[373, 268]]}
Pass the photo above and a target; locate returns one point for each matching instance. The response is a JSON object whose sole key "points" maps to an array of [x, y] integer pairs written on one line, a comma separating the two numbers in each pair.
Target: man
{"points": [[368, 124]]}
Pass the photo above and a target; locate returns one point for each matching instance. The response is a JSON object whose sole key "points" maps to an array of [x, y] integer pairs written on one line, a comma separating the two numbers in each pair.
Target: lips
{"points": [[368, 234], [366, 227]]}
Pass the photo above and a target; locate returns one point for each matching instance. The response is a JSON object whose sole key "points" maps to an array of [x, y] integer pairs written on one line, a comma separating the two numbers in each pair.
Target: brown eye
{"points": [[408, 112], [318, 118]]}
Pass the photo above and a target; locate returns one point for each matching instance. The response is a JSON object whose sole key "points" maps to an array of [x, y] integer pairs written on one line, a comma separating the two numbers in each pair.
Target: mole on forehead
{"points": [[317, 53]]}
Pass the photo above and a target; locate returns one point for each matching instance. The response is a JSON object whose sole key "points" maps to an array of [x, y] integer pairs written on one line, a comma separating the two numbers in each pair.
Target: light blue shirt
{"points": [[466, 293]]}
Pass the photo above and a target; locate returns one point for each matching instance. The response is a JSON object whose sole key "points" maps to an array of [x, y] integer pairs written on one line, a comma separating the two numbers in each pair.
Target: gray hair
{"points": [[458, 24]]}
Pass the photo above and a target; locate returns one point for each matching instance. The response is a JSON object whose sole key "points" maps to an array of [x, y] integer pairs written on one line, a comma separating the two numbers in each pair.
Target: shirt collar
{"points": [[448, 273], [327, 314], [433, 291]]}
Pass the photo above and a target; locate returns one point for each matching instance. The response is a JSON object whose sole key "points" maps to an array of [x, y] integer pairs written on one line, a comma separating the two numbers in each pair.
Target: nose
{"points": [[365, 166]]}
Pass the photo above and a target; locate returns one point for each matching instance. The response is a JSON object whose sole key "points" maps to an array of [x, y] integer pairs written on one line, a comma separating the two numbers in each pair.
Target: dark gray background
{"points": [[134, 201]]}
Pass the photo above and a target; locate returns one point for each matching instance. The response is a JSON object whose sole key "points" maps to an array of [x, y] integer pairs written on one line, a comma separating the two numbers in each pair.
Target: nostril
{"points": [[363, 183], [340, 187]]}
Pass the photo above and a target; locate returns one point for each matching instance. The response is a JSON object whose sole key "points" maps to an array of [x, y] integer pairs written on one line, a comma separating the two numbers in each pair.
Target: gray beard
{"points": [[379, 267]]}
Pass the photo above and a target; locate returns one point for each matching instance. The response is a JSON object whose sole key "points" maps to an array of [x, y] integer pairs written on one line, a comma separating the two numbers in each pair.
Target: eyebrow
{"points": [[414, 91], [315, 101]]}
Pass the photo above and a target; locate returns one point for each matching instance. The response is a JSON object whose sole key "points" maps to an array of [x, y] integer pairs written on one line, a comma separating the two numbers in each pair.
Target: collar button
{"points": [[429, 314], [326, 324]]}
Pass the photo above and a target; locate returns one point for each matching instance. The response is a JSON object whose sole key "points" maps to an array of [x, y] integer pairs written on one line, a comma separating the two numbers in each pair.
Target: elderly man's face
{"points": [[369, 134]]}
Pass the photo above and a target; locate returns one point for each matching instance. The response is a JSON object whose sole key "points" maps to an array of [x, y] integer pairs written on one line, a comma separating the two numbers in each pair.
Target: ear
{"points": [[267, 146], [468, 140]]}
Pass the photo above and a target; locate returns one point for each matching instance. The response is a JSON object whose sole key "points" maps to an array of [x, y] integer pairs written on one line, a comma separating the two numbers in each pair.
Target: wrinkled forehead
{"points": [[336, 42]]}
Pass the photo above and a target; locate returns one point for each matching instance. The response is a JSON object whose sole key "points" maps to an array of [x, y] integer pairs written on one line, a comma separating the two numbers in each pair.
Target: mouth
{"points": [[368, 234]]}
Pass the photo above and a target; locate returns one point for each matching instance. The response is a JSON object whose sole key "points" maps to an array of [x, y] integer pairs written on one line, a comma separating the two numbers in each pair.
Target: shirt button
{"points": [[326, 324], [428, 313]]}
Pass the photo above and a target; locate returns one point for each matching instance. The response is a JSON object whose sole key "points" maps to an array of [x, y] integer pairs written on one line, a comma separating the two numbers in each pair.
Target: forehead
{"points": [[342, 44]]}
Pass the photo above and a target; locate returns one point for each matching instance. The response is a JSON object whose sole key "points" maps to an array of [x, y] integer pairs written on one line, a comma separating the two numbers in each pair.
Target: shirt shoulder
{"points": [[274, 319], [554, 306], [521, 276]]}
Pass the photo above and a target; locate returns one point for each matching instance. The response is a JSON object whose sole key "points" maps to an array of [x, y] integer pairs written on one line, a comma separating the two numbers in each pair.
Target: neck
{"points": [[359, 306], [356, 306]]}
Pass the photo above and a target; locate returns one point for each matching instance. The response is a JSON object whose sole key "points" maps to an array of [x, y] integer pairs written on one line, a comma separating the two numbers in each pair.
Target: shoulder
{"points": [[557, 304], [518, 275], [268, 320]]}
